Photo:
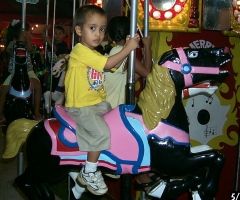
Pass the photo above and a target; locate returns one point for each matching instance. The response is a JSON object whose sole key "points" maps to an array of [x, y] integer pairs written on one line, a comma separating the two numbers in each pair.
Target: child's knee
{"points": [[36, 84], [4, 89]]}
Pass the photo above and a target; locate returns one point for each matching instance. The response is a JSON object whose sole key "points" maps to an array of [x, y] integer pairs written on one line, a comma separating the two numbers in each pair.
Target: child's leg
{"points": [[3, 94], [93, 156], [91, 176], [37, 98], [4, 89], [92, 161]]}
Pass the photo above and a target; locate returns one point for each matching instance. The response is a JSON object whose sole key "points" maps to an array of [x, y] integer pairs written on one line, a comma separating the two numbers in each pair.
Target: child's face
{"points": [[24, 34], [58, 36], [93, 31]]}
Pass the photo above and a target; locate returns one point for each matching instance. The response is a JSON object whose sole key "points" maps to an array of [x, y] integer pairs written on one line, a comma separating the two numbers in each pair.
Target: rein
{"points": [[187, 70]]}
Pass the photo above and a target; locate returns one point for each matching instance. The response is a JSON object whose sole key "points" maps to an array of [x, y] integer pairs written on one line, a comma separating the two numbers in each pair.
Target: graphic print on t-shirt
{"points": [[95, 79]]}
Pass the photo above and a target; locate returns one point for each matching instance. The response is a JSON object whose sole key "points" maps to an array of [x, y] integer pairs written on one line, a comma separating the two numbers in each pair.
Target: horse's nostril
{"points": [[203, 117], [226, 50]]}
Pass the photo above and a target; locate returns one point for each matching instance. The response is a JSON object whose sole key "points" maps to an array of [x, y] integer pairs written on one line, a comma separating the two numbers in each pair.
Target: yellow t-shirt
{"points": [[85, 79]]}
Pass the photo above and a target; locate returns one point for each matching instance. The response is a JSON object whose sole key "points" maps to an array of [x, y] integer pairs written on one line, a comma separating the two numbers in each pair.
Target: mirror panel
{"points": [[163, 5], [217, 14], [234, 31]]}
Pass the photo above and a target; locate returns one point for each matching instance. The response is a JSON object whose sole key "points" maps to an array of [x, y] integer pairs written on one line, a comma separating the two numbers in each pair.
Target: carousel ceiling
{"points": [[36, 13]]}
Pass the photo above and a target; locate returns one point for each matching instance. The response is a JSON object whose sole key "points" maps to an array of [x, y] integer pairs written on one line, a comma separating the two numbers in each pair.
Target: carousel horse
{"points": [[59, 69], [156, 131], [19, 99]]}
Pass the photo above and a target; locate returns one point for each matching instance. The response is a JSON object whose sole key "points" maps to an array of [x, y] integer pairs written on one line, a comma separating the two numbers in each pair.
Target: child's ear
{"points": [[78, 30]]}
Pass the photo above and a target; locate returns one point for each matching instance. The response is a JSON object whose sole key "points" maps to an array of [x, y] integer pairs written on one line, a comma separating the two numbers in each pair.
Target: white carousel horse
{"points": [[59, 69]]}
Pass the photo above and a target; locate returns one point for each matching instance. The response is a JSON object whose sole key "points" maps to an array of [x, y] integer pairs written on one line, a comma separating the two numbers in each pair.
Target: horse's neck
{"points": [[20, 80], [178, 116]]}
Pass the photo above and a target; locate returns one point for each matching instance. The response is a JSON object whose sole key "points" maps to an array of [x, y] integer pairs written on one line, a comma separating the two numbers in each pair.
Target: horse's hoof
{"points": [[28, 190], [177, 187]]}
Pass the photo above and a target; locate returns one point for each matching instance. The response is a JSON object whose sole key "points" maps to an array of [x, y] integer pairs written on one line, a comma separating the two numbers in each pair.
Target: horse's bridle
{"points": [[186, 69]]}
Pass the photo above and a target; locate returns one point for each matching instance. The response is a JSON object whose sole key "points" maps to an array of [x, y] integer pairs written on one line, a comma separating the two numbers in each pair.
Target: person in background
{"points": [[59, 48], [116, 80], [85, 91], [59, 45], [15, 33]]}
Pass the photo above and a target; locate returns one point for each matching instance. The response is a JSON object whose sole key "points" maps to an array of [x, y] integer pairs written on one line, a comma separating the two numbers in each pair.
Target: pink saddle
{"points": [[129, 152]]}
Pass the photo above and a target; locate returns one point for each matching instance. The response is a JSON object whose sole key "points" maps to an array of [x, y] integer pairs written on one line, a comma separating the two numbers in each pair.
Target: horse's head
{"points": [[178, 69], [60, 65], [192, 66]]}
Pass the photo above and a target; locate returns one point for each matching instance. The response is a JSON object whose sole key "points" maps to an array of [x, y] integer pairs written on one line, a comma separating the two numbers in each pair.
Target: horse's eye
{"points": [[193, 54]]}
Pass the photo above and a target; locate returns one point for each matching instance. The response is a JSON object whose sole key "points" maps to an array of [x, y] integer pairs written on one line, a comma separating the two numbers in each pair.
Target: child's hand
{"points": [[46, 28], [132, 42], [46, 39]]}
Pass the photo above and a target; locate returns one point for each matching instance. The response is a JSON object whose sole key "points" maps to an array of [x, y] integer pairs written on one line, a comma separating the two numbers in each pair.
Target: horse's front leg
{"points": [[177, 161], [215, 162]]}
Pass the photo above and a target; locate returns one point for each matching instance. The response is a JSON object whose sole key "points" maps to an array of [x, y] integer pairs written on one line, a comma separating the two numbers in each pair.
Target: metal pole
{"points": [[46, 33], [23, 14], [143, 195], [52, 52], [20, 162], [146, 27], [130, 96], [74, 9], [146, 18]]}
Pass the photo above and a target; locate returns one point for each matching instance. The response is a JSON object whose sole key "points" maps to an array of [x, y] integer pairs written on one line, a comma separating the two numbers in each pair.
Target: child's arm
{"points": [[117, 58], [46, 39], [143, 69]]}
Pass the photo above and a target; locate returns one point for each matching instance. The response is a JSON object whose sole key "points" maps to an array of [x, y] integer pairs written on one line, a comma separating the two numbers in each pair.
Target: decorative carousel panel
{"points": [[217, 14], [172, 15], [234, 31]]}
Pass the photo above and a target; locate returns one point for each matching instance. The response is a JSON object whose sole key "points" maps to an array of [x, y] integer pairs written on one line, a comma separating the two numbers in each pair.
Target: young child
{"points": [[60, 46], [116, 79], [85, 91], [15, 33]]}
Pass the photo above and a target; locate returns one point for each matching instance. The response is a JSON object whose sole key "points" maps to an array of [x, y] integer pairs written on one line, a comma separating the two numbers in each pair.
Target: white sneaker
{"points": [[93, 180]]}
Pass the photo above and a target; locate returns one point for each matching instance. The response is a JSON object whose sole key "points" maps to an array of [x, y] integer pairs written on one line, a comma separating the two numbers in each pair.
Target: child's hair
{"points": [[60, 28], [87, 10], [14, 30], [118, 28]]}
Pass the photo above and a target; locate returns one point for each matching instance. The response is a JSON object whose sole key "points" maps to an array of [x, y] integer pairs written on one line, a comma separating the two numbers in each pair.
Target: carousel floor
{"points": [[8, 172]]}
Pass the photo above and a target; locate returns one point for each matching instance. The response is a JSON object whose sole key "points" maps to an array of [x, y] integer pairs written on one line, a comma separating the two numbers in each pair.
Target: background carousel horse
{"points": [[59, 69], [156, 130], [19, 99]]}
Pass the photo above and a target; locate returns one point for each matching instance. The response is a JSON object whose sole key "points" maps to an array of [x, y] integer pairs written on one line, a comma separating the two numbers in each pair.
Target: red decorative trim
{"points": [[194, 14]]}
